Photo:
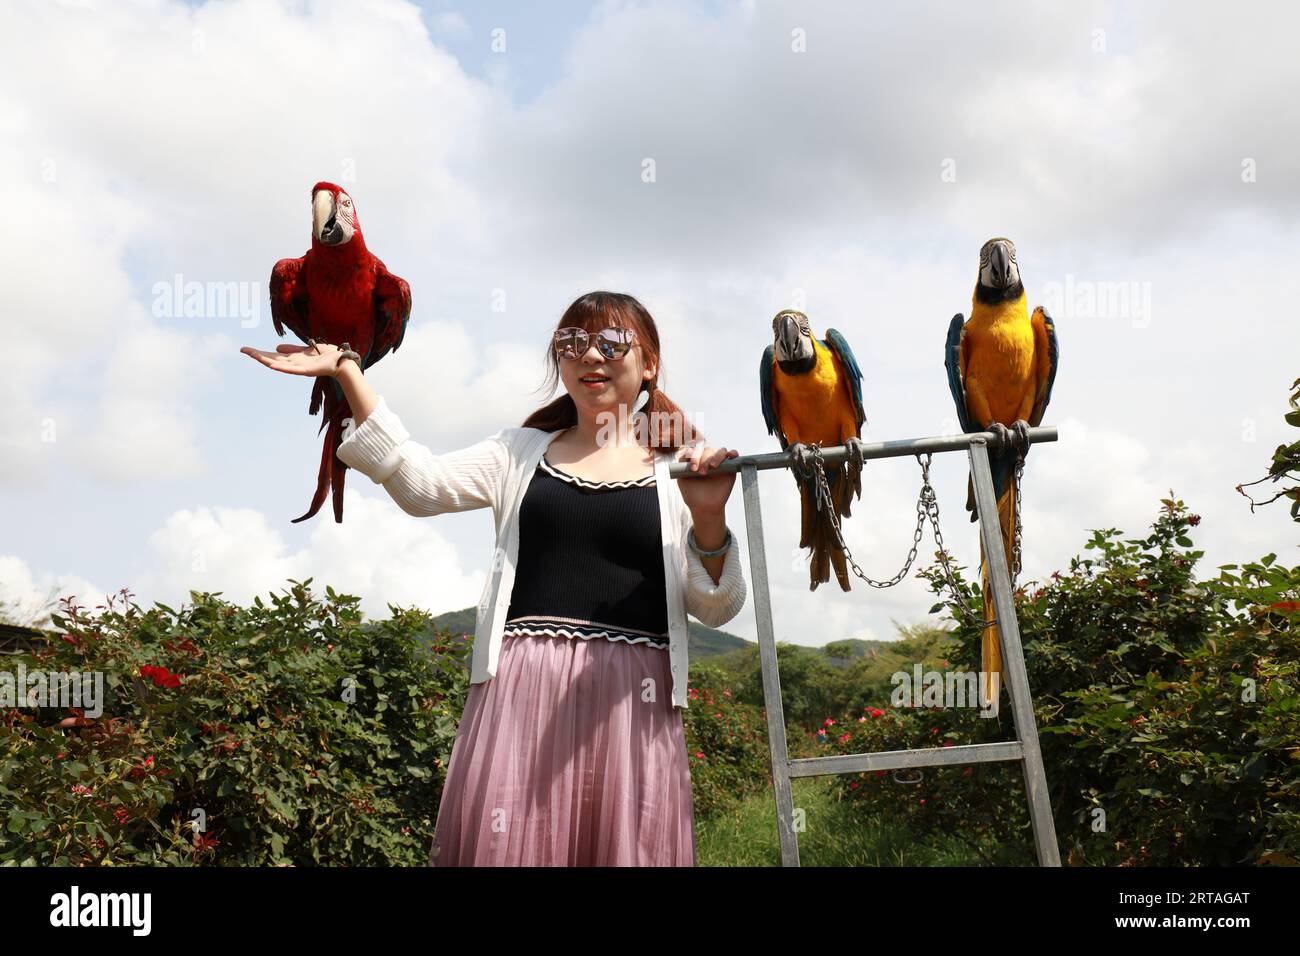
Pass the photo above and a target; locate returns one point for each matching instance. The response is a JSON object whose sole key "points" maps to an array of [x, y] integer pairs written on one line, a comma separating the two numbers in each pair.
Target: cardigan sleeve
{"points": [[709, 603], [420, 482]]}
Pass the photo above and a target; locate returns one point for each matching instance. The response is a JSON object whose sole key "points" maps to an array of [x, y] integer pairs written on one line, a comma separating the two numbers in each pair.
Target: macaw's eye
{"points": [[347, 202]]}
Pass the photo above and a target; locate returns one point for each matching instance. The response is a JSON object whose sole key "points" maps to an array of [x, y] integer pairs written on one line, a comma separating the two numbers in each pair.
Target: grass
{"points": [[833, 835]]}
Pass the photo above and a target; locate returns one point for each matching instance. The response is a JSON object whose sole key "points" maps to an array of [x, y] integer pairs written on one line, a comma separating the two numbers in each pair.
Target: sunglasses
{"points": [[613, 343]]}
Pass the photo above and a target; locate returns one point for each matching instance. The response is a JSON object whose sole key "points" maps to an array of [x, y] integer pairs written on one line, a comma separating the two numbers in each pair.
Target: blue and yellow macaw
{"points": [[812, 393], [1001, 366]]}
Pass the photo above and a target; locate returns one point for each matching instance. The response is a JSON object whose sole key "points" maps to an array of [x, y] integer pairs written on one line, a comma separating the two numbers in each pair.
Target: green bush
{"points": [[1167, 711], [281, 734], [726, 742]]}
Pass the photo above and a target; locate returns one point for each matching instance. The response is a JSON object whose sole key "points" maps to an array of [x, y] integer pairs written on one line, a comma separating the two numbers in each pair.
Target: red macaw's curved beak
{"points": [[330, 224]]}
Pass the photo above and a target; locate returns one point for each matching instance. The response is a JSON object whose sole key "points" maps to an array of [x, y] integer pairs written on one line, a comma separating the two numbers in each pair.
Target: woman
{"points": [[570, 752]]}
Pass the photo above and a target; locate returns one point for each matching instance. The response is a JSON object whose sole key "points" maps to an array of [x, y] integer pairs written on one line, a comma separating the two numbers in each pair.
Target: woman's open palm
{"points": [[316, 360]]}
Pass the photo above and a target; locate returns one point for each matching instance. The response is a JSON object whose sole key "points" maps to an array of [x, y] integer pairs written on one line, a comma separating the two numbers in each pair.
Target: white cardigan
{"points": [[495, 472]]}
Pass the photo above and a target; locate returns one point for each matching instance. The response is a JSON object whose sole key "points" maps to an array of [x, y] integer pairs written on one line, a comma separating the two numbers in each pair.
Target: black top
{"points": [[590, 560]]}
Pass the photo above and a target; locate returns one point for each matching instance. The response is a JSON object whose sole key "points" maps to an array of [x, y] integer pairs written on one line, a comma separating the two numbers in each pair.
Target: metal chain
{"points": [[927, 506], [1015, 551]]}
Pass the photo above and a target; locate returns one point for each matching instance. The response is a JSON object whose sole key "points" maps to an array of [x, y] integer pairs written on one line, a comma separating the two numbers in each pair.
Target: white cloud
{"points": [[145, 141], [378, 554], [28, 597]]}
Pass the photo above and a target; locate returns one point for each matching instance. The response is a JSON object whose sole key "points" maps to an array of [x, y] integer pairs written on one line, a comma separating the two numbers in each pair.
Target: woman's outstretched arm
{"points": [[362, 399], [376, 444]]}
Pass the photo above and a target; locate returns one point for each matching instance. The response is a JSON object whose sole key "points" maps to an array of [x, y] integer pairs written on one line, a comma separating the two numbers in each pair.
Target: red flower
{"points": [[699, 755], [877, 712], [160, 676]]}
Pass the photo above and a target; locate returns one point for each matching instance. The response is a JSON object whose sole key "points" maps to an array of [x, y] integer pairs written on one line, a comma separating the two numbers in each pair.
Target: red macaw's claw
{"points": [[347, 353]]}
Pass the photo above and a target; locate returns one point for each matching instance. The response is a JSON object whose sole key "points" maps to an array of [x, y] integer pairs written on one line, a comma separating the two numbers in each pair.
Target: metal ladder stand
{"points": [[1025, 749]]}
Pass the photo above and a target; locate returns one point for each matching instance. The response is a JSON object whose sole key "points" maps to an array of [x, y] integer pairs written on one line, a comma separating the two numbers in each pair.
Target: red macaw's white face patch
{"points": [[334, 218]]}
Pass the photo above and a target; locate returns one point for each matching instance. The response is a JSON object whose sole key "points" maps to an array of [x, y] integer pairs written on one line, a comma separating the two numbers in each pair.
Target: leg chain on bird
{"points": [[927, 506]]}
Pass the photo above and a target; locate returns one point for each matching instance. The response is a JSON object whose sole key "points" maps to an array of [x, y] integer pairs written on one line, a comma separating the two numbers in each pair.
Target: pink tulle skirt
{"points": [[558, 761]]}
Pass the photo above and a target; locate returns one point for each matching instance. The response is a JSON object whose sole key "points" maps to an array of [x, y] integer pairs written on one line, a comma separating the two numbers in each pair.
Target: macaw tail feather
{"points": [[991, 649], [849, 482], [332, 470], [817, 532]]}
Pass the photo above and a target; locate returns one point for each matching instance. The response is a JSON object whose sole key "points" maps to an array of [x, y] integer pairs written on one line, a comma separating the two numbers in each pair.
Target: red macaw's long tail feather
{"points": [[327, 393], [991, 649]]}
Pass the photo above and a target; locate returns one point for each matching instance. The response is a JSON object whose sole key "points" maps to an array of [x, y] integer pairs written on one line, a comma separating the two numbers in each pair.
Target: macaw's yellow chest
{"points": [[999, 350], [808, 405]]}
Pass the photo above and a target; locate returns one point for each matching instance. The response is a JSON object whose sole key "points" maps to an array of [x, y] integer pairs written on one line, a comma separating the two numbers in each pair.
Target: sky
{"points": [[845, 159]]}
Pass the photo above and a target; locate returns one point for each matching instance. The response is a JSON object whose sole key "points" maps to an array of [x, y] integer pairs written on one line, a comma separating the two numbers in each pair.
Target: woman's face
{"points": [[598, 384]]}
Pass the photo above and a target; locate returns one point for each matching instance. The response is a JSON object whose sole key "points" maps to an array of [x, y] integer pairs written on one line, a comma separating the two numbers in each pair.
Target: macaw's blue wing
{"points": [[767, 392], [1044, 346], [838, 344], [952, 359]]}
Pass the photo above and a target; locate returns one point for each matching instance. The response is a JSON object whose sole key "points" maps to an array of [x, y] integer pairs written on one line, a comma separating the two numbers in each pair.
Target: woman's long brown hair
{"points": [[669, 430]]}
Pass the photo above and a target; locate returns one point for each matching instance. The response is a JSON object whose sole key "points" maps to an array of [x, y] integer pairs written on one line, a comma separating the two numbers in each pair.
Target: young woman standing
{"points": [[570, 751]]}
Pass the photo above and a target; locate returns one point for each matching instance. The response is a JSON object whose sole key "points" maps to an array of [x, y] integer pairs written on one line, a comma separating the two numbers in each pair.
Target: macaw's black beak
{"points": [[787, 334], [1000, 266]]}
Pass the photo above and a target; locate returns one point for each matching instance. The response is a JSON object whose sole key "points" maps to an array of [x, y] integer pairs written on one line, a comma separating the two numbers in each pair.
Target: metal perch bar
{"points": [[1024, 749], [834, 454]]}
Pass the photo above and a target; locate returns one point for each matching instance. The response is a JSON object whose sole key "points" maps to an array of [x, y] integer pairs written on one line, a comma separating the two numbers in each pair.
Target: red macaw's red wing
{"points": [[289, 297], [392, 312], [338, 293]]}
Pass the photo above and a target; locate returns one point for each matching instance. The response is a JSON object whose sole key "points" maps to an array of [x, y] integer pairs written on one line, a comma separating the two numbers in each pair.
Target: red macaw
{"points": [[1001, 366], [812, 393], [339, 292]]}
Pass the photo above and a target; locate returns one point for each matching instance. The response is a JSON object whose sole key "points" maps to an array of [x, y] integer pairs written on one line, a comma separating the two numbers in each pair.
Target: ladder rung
{"points": [[902, 759]]}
